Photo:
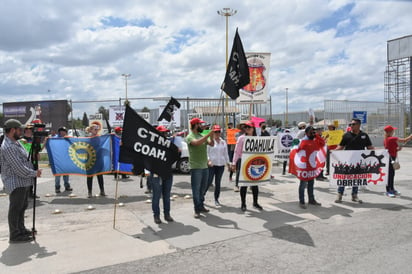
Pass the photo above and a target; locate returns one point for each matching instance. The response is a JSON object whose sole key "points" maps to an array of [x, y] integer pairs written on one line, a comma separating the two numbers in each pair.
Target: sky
{"points": [[78, 49]]}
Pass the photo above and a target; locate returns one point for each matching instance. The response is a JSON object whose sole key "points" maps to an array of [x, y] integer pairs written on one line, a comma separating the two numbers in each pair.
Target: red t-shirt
{"points": [[391, 144]]}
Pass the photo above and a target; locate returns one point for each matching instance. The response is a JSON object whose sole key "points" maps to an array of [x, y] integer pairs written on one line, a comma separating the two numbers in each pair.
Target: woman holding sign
{"points": [[249, 129]]}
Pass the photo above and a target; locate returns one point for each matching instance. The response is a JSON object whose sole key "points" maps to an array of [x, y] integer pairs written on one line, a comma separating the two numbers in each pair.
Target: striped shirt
{"points": [[16, 168]]}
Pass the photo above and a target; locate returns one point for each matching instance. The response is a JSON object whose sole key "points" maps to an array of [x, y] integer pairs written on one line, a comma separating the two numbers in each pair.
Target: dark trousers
{"points": [[302, 187], [215, 172], [391, 176], [255, 192], [99, 180], [231, 153], [18, 205], [238, 164]]}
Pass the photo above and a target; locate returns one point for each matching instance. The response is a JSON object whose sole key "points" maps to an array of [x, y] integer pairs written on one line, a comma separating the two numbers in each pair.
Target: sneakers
{"points": [[338, 198], [157, 220], [203, 209], [196, 215], [243, 207], [257, 206], [314, 202], [67, 189], [58, 190], [302, 205], [356, 199], [102, 194], [397, 193], [168, 218], [390, 194], [236, 189], [217, 203]]}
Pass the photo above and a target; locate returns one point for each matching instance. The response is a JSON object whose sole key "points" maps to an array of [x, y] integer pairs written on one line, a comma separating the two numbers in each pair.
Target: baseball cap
{"points": [[117, 129], [196, 121], [13, 123], [389, 128], [162, 129], [216, 128], [301, 124], [62, 129]]}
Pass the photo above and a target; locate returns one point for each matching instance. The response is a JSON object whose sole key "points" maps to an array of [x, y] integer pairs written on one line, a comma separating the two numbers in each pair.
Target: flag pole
{"points": [[115, 195]]}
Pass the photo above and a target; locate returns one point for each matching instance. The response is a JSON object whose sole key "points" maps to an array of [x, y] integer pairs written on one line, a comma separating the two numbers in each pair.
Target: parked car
{"points": [[182, 165]]}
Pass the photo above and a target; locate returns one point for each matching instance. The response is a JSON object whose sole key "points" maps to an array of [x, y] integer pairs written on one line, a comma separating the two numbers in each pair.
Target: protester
{"points": [[18, 175], [218, 158], [301, 133], [318, 132], [311, 141], [230, 148], [161, 188], [198, 163], [250, 130], [391, 143], [263, 131], [118, 132], [61, 133], [355, 139], [331, 127], [237, 163], [94, 129]]}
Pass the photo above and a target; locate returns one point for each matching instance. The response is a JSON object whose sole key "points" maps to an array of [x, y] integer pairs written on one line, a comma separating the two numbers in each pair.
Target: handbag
{"points": [[395, 164]]}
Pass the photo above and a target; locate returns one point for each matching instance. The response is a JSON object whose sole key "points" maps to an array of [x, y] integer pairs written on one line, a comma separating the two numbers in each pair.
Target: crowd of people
{"points": [[209, 155]]}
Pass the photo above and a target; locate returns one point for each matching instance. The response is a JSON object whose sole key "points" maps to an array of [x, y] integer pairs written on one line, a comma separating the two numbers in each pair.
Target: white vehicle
{"points": [[182, 165]]}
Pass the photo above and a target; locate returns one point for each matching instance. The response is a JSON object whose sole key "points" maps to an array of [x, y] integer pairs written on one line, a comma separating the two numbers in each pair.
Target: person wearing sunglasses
{"points": [[355, 139], [250, 130], [218, 158]]}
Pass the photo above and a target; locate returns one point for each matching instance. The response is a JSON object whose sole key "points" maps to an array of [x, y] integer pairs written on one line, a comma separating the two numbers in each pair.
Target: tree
{"points": [[145, 109], [104, 112], [85, 120]]}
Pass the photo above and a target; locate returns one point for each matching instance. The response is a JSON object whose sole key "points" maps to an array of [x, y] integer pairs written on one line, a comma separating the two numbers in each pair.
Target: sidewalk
{"points": [[79, 239]]}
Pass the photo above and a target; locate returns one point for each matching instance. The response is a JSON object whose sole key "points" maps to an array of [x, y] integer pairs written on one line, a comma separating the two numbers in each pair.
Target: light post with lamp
{"points": [[286, 113], [226, 12], [126, 76]]}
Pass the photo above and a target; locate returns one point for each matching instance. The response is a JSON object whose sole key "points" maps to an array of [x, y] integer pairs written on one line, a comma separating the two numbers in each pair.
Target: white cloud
{"points": [[69, 48]]}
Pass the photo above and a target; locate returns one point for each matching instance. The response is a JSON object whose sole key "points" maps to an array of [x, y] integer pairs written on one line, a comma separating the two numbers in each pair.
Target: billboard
{"points": [[399, 48], [52, 113]]}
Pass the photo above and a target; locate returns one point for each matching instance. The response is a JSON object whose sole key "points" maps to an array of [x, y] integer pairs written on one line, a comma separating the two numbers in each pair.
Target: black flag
{"points": [[169, 109], [145, 148], [237, 73]]}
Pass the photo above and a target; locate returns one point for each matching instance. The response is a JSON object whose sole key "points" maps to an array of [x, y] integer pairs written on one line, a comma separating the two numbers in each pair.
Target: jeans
{"points": [[18, 205], [302, 187], [65, 180], [217, 172], [341, 189], [198, 178], [161, 188]]}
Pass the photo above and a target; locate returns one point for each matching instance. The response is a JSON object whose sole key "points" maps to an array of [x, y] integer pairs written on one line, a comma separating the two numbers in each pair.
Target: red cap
{"points": [[216, 128], [249, 123], [162, 129], [117, 129], [389, 128], [196, 121]]}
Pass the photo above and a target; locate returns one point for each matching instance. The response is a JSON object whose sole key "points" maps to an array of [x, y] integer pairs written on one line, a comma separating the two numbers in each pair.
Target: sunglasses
{"points": [[246, 127], [217, 131], [353, 124]]}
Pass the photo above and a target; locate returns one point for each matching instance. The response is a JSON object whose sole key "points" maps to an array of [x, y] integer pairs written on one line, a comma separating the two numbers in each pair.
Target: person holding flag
{"points": [[309, 145], [199, 172]]}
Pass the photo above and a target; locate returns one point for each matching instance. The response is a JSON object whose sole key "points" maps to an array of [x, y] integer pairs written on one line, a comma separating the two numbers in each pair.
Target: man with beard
{"points": [[199, 171], [18, 176]]}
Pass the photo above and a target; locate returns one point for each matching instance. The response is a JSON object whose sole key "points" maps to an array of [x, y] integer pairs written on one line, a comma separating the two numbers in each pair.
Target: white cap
{"points": [[301, 124]]}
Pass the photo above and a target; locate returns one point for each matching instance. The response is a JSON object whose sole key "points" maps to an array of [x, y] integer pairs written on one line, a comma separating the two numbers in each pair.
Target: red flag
{"points": [[307, 161]]}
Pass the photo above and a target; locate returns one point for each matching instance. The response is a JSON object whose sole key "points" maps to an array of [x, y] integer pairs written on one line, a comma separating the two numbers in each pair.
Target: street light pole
{"points": [[125, 82], [286, 116], [226, 12]]}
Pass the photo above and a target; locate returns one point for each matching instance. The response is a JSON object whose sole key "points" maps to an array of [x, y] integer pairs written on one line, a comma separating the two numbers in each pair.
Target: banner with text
{"points": [[358, 167], [256, 160]]}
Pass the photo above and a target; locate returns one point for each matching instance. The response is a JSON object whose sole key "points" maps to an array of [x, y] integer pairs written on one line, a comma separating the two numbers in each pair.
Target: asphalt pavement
{"points": [[91, 235]]}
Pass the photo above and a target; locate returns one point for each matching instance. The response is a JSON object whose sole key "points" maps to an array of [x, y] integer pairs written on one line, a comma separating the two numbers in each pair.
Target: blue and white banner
{"points": [[119, 167], [81, 156]]}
